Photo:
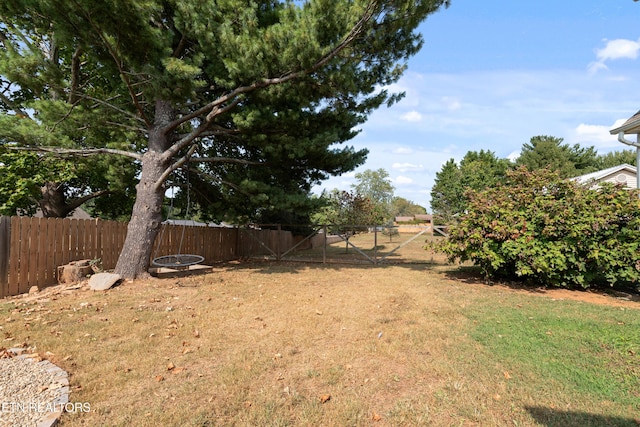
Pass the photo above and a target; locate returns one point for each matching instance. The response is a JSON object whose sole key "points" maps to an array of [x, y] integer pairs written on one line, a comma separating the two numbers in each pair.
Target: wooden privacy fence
{"points": [[31, 249]]}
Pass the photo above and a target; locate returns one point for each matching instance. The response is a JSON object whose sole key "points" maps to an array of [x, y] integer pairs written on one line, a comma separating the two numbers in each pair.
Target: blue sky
{"points": [[494, 73]]}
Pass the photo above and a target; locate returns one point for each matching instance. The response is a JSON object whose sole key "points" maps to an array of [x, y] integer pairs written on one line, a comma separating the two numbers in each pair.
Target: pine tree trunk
{"points": [[145, 221], [146, 216]]}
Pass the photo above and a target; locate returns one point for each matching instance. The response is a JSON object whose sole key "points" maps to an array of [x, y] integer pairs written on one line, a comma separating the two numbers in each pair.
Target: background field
{"points": [[266, 344], [404, 248]]}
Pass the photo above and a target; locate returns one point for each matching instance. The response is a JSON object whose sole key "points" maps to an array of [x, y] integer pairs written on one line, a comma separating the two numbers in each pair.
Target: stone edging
{"points": [[57, 376]]}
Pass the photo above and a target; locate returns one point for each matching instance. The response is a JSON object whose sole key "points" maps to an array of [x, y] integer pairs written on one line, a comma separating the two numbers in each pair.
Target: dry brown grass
{"points": [[262, 344]]}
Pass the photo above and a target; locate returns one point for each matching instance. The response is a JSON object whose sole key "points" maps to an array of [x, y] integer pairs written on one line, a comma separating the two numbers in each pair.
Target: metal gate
{"points": [[323, 244]]}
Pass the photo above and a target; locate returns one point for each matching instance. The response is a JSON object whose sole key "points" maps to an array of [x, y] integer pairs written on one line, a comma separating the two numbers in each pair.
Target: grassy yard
{"points": [[262, 344]]}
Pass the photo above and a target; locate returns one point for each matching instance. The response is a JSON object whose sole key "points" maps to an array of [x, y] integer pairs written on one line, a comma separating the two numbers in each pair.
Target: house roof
{"points": [[629, 127], [424, 217], [604, 173]]}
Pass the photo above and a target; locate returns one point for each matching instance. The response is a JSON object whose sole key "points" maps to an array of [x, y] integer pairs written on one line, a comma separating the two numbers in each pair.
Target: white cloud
{"points": [[513, 156], [618, 49], [411, 116], [596, 135], [594, 67], [403, 150], [403, 167], [401, 180], [615, 49]]}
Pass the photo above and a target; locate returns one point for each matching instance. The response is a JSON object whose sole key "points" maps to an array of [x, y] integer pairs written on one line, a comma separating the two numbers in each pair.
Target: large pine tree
{"points": [[231, 84]]}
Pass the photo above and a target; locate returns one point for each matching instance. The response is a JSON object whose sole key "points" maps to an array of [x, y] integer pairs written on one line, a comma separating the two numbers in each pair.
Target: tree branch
{"points": [[13, 106], [226, 160], [175, 166], [191, 136], [76, 203], [75, 75], [213, 109], [87, 152], [118, 109], [116, 59]]}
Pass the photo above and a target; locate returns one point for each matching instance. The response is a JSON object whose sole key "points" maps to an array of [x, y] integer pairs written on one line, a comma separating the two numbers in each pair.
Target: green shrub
{"points": [[541, 228]]}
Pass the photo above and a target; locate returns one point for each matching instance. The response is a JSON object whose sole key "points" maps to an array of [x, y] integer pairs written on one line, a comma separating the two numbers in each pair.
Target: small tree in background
{"points": [[403, 207], [376, 186], [348, 213], [550, 231]]}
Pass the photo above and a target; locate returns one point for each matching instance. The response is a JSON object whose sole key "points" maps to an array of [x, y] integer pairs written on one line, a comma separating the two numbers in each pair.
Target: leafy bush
{"points": [[539, 227]]}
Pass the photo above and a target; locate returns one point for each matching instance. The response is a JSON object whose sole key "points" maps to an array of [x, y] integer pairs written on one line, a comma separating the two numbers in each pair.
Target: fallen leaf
{"points": [[325, 398], [177, 370], [376, 417], [496, 397], [196, 333], [170, 366], [247, 404], [507, 375], [159, 378]]}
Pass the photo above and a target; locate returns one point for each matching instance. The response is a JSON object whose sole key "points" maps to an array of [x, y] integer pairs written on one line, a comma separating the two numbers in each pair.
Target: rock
{"points": [[103, 281], [33, 290]]}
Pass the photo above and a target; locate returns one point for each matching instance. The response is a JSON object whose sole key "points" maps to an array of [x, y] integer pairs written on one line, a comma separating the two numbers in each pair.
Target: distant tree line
{"points": [[483, 169]]}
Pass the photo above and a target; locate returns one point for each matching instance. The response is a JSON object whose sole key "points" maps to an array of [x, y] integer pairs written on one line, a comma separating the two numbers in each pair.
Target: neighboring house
{"points": [[415, 223], [419, 219], [630, 127], [622, 174]]}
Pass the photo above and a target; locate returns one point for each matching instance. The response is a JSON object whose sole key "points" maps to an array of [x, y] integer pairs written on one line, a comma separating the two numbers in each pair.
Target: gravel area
{"points": [[33, 392]]}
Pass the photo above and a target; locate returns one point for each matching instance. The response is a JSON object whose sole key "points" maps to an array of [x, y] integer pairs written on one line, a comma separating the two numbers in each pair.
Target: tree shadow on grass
{"points": [[299, 266], [473, 276], [557, 418]]}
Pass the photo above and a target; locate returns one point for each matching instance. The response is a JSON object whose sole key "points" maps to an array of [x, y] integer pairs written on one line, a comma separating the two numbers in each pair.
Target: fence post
{"points": [[5, 246], [278, 242], [375, 244], [324, 244]]}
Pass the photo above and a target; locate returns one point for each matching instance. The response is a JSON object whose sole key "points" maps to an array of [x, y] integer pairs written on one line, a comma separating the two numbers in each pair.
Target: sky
{"points": [[493, 74]]}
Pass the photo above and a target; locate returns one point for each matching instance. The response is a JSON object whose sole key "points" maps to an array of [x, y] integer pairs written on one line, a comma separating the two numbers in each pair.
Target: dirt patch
{"points": [[610, 298]]}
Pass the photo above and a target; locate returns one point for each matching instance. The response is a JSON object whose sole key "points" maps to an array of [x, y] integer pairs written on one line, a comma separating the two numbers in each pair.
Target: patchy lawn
{"points": [[261, 344]]}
